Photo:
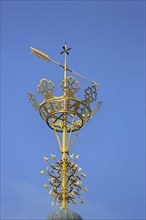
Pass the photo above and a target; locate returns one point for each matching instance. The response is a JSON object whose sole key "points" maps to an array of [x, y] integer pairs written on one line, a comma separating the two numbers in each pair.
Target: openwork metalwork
{"points": [[74, 180], [65, 115], [46, 88], [70, 86], [52, 112], [52, 109], [90, 94], [33, 100]]}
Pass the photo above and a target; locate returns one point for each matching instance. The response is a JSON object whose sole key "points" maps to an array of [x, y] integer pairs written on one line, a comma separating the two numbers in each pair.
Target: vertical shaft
{"points": [[64, 149]]}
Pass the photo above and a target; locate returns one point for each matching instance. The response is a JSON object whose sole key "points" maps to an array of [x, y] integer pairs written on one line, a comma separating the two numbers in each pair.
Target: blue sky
{"points": [[108, 46]]}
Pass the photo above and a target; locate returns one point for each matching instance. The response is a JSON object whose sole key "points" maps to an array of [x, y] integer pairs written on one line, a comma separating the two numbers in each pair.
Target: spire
{"points": [[65, 115]]}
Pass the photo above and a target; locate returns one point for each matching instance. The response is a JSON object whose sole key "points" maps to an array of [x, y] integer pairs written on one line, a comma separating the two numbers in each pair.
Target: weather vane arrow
{"points": [[65, 51]]}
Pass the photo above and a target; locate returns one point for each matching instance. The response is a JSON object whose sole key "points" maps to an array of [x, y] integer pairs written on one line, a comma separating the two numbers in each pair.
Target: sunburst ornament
{"points": [[65, 115]]}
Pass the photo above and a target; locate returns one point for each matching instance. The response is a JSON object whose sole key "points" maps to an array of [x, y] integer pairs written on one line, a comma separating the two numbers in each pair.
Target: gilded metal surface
{"points": [[70, 85], [40, 54], [46, 88], [64, 114], [52, 112], [33, 100], [65, 51], [96, 108], [90, 94], [74, 176]]}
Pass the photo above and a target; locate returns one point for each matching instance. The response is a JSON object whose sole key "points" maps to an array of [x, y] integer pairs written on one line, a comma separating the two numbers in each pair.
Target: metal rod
{"points": [[47, 58], [70, 131], [64, 147], [73, 141], [57, 63], [57, 137], [91, 81]]}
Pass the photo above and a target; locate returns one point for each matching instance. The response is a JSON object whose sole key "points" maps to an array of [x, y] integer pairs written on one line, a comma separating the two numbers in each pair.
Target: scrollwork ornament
{"points": [[46, 88], [54, 172]]}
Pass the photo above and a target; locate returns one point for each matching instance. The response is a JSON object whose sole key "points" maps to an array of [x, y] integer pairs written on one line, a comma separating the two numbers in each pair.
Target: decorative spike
{"points": [[83, 174], [82, 201], [46, 186], [72, 156], [53, 156], [77, 157], [86, 189], [46, 159], [79, 170], [42, 172], [52, 204]]}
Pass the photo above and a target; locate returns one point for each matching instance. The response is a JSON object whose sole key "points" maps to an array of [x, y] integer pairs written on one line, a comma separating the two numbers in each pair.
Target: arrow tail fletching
{"points": [[40, 54]]}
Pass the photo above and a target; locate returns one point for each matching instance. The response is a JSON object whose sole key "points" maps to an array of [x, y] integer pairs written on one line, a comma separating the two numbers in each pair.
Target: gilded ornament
{"points": [[70, 86], [46, 88], [90, 94], [65, 114], [33, 100]]}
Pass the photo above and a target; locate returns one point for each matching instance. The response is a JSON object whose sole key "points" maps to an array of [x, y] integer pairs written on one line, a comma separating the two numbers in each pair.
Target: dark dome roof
{"points": [[64, 214]]}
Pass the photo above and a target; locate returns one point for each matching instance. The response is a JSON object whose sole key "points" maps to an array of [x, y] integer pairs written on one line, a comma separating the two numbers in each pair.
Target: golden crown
{"points": [[52, 108]]}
